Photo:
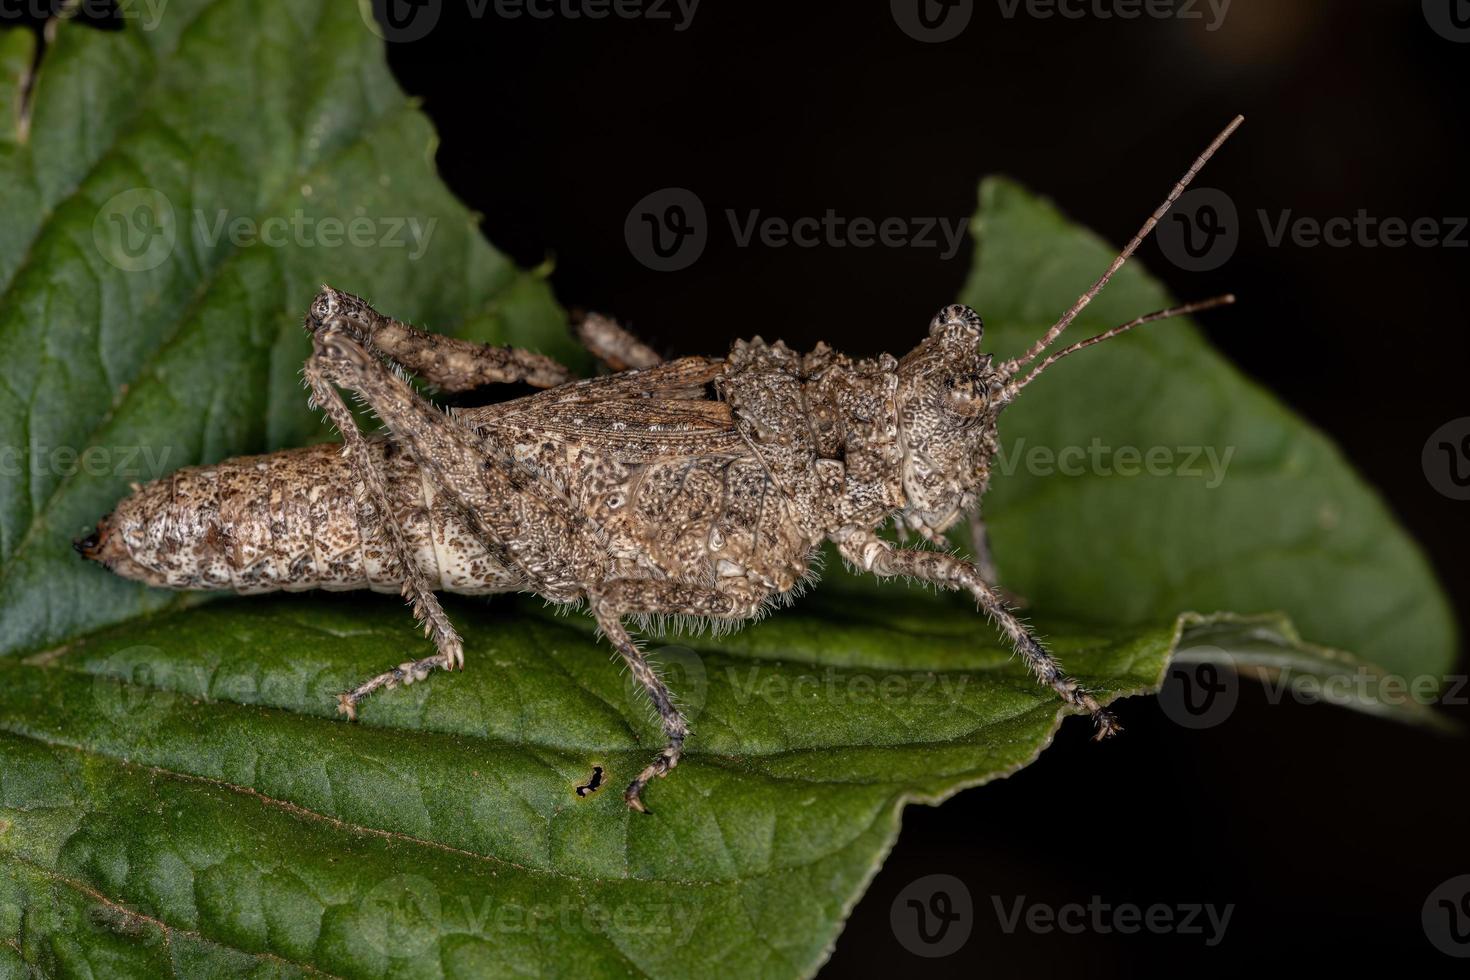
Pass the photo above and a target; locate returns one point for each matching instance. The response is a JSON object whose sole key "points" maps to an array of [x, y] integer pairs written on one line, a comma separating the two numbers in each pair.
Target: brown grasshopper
{"points": [[697, 489]]}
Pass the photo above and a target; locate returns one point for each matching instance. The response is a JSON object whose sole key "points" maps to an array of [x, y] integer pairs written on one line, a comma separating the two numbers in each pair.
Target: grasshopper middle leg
{"points": [[623, 597], [614, 345]]}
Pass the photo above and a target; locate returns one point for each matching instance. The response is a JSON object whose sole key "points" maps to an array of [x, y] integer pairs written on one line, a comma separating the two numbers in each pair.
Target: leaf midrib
{"points": [[1042, 702], [296, 811]]}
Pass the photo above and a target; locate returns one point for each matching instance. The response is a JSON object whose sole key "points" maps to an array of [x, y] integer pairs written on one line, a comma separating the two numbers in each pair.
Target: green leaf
{"points": [[176, 795], [188, 767], [183, 193]]}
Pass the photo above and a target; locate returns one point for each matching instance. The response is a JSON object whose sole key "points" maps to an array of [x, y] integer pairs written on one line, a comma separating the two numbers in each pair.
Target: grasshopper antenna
{"points": [[1049, 338], [1185, 310]]}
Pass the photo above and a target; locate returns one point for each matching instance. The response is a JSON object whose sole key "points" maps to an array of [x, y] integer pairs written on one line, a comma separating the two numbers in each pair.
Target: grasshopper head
{"points": [[343, 308], [949, 395]]}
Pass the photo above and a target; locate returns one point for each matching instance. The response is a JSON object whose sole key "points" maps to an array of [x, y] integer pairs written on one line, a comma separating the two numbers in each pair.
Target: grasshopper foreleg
{"points": [[871, 553]]}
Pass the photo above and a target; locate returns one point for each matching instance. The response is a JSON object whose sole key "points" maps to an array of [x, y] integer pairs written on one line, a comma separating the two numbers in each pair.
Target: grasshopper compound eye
{"points": [[91, 545], [323, 308], [957, 320]]}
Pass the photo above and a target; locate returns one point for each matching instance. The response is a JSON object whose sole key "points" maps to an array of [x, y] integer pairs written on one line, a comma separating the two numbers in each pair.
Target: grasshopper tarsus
{"points": [[1105, 725]]}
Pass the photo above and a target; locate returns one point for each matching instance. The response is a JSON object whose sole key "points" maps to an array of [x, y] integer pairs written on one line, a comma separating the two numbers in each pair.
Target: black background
{"points": [[1326, 829]]}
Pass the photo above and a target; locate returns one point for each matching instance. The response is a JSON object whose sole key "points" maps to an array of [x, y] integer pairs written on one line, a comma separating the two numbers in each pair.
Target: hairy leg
{"points": [[320, 375], [873, 554], [980, 552], [613, 345], [448, 362], [623, 597], [675, 728], [499, 502], [526, 524]]}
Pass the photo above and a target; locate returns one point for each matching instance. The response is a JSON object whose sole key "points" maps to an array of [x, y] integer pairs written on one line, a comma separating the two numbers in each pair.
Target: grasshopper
{"points": [[688, 492]]}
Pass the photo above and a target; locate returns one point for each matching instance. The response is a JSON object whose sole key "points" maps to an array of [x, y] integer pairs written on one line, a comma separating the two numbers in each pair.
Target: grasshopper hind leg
{"points": [[449, 363], [376, 506], [404, 674]]}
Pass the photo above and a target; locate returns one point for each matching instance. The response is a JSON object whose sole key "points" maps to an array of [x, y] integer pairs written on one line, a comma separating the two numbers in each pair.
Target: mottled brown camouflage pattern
{"points": [[694, 491]]}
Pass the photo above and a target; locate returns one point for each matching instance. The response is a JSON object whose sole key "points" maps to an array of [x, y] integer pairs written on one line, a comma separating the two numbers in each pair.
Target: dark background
{"points": [[1326, 829]]}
